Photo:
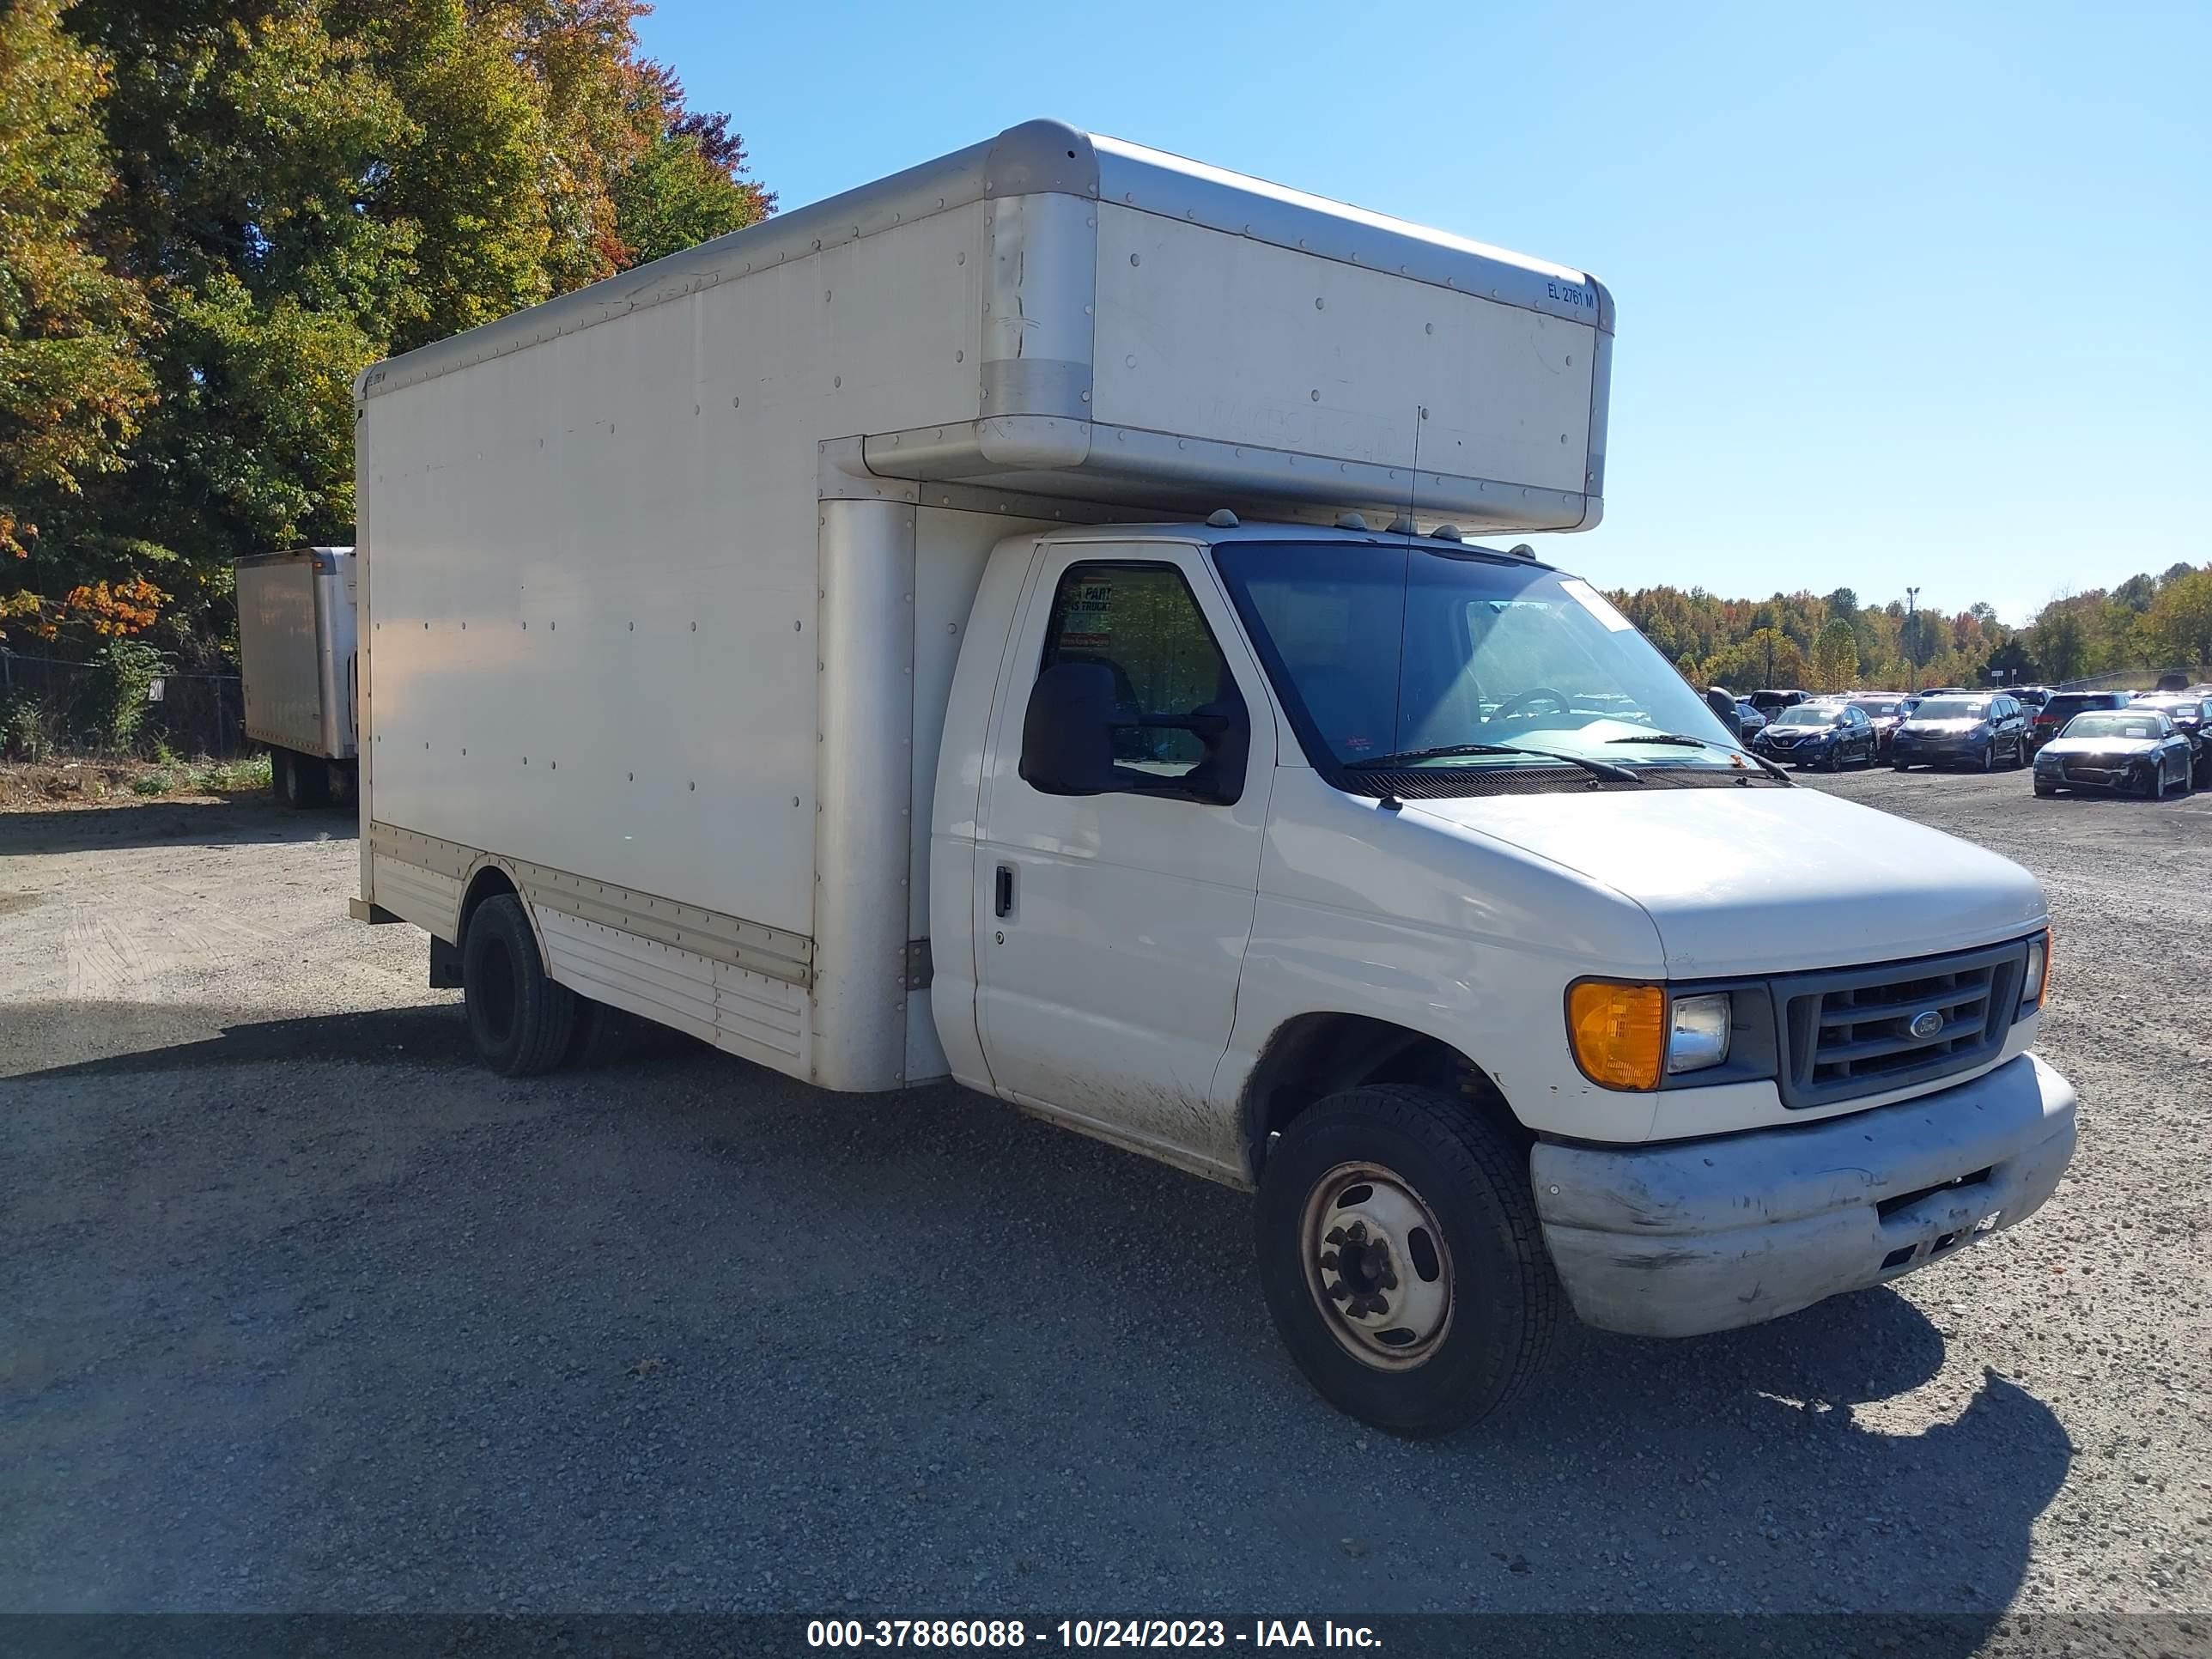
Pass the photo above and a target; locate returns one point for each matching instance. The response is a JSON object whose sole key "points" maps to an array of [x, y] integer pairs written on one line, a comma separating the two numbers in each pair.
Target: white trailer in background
{"points": [[296, 663], [939, 632]]}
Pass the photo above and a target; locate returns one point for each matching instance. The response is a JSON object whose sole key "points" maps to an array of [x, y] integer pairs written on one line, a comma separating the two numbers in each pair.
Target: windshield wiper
{"points": [[1684, 740], [1600, 768]]}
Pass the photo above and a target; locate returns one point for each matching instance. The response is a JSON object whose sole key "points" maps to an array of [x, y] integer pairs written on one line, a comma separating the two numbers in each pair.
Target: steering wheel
{"points": [[1519, 702]]}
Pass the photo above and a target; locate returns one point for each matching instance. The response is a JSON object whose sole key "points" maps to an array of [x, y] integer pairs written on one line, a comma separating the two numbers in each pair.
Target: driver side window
{"points": [[1142, 621]]}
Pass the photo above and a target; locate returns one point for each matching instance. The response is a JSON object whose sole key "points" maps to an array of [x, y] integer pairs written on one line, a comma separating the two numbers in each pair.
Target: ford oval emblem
{"points": [[1925, 1024]]}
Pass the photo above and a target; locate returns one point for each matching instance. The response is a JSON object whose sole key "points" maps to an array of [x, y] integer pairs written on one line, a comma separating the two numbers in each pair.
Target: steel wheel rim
{"points": [[1376, 1265]]}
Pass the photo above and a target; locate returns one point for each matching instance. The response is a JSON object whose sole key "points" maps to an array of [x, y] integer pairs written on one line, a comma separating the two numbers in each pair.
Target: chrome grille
{"points": [[1850, 1033]]}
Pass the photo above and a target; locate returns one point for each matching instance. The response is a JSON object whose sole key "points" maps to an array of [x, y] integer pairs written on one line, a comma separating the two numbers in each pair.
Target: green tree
{"points": [[304, 186], [1836, 658], [2179, 625], [2061, 643], [73, 383]]}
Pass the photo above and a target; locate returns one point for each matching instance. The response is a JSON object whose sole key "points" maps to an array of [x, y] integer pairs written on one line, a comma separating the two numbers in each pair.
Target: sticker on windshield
{"points": [[1597, 605]]}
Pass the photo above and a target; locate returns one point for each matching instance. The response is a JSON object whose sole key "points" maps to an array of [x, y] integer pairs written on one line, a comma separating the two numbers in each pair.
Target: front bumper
{"points": [[1794, 754], [1707, 1235], [1937, 751]]}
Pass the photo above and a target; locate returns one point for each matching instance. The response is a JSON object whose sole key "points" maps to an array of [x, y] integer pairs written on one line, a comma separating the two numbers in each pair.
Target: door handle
{"points": [[1003, 893]]}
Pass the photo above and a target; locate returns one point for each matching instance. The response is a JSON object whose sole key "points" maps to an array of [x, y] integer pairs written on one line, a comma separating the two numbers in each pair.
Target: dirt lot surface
{"points": [[300, 1309]]}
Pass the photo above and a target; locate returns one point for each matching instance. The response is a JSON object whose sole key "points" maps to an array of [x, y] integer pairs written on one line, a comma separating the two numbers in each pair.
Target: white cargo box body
{"points": [[295, 649], [664, 581]]}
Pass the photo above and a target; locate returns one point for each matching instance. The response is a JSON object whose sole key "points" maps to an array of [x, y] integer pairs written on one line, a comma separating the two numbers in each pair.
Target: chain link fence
{"points": [[2135, 679], [51, 706]]}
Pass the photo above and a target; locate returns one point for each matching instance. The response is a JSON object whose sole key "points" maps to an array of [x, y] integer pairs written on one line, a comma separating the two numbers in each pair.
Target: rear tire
{"points": [[1446, 1194], [304, 783], [521, 1022]]}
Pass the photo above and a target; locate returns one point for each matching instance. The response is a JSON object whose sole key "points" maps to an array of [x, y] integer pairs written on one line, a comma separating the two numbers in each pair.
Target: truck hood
{"points": [[1758, 880]]}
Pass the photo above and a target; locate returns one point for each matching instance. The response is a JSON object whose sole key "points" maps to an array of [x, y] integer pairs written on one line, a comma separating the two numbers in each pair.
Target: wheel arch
{"points": [[488, 878], [1311, 1056]]}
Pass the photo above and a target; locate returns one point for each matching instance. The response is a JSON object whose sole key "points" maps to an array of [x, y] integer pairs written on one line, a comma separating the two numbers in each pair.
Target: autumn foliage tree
{"points": [[73, 384], [215, 213]]}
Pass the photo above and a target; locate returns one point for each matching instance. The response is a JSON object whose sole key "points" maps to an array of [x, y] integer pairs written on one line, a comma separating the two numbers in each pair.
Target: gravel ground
{"points": [[299, 1310]]}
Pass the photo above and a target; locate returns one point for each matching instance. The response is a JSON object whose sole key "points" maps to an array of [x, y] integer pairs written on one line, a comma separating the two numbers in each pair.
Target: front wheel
{"points": [[2045, 789], [1401, 1258], [1989, 756]]}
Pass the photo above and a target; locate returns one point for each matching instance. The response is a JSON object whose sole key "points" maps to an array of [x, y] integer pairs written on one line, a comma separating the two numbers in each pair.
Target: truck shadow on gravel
{"points": [[434, 1035], [235, 820], [1027, 1370]]}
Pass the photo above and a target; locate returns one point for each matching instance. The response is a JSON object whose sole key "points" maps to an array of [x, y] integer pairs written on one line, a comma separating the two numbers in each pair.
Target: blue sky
{"points": [[1907, 293]]}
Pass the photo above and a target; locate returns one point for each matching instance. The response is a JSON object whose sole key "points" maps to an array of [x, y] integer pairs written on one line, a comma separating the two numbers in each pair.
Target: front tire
{"points": [[1401, 1258], [2046, 790], [521, 1022], [1989, 756]]}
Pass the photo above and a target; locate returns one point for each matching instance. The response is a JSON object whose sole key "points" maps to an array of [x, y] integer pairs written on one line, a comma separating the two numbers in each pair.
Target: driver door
{"points": [[1110, 929]]}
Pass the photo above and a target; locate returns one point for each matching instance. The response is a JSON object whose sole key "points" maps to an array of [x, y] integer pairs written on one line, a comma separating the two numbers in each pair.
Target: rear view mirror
{"points": [[1067, 731]]}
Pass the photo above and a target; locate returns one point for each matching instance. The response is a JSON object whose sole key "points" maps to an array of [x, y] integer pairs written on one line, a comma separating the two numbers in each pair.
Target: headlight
{"points": [[2035, 984], [1698, 1032], [1624, 1035]]}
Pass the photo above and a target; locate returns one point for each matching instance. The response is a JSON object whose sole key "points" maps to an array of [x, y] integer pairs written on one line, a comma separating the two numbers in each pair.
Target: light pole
{"points": [[1911, 639]]}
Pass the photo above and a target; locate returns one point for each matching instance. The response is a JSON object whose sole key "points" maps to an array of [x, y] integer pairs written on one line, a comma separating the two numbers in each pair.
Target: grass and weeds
{"points": [[32, 786]]}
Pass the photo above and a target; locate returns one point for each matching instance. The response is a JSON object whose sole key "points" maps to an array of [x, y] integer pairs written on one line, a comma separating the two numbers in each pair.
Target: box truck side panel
{"points": [[279, 661], [595, 570]]}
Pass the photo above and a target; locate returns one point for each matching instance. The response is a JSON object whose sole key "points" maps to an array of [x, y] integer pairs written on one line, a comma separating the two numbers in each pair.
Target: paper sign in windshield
{"points": [[1596, 603]]}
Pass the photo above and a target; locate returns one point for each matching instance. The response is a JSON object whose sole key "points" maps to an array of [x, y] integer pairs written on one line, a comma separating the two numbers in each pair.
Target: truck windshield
{"points": [[1405, 651]]}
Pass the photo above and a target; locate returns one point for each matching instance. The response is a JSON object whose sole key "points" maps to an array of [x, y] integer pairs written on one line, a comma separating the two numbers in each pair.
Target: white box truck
{"points": [[296, 614], [1014, 622]]}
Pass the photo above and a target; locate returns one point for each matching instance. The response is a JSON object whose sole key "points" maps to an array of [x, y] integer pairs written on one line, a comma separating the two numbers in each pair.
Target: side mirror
{"points": [[1068, 731]]}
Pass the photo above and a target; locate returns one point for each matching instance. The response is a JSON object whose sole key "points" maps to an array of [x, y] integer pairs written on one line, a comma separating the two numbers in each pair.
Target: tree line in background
{"points": [[1833, 642], [215, 213]]}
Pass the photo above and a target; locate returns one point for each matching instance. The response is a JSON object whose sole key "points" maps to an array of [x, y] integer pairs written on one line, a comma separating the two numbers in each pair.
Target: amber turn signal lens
{"points": [[2037, 985], [1617, 1033]]}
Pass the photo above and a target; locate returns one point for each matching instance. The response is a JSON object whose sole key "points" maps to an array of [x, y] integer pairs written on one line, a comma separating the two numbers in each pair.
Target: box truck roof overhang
{"points": [[1137, 330]]}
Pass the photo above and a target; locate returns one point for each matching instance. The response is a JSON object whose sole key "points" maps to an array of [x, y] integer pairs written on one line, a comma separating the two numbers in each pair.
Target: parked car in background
{"points": [[2034, 696], [1828, 735], [2050, 719], [1772, 702], [1884, 711], [1912, 700], [2134, 750], [1754, 723], [2192, 717], [1972, 729]]}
